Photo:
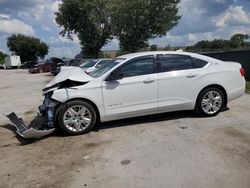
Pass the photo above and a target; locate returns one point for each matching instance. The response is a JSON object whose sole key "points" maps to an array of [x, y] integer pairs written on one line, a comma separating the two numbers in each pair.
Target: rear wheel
{"points": [[76, 117], [210, 102]]}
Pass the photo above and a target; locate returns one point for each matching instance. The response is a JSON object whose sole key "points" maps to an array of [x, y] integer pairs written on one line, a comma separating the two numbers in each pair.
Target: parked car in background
{"points": [[135, 85], [92, 64], [2, 66], [56, 64], [12, 61], [76, 62], [41, 67], [66, 60], [73, 63], [28, 64]]}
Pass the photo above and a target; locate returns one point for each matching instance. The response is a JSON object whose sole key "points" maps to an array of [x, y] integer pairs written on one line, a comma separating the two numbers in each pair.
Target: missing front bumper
{"points": [[28, 132]]}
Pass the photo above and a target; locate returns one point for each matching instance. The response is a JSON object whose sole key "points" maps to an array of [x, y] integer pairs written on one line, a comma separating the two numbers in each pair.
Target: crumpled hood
{"points": [[70, 73]]}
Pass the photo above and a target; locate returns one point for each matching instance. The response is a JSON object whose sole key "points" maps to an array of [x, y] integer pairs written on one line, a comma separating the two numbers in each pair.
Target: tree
{"points": [[2, 56], [220, 44], [204, 44], [136, 21], [28, 48], [89, 20], [238, 40]]}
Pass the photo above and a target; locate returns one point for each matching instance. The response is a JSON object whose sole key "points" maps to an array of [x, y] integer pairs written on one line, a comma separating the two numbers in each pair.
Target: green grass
{"points": [[248, 87]]}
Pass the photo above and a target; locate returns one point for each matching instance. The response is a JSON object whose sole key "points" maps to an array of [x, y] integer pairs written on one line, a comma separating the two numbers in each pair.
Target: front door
{"points": [[134, 94]]}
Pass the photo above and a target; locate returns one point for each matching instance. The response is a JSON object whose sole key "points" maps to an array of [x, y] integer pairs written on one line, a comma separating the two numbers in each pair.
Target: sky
{"points": [[201, 20]]}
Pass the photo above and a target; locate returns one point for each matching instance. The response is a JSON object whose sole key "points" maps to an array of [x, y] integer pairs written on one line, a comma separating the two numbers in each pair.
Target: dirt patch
{"points": [[5, 87], [182, 127], [90, 145], [233, 132], [125, 162], [47, 163], [233, 144], [28, 112], [8, 145]]}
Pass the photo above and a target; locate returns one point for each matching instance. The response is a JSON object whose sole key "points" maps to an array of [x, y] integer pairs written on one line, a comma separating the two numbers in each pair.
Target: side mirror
{"points": [[115, 76]]}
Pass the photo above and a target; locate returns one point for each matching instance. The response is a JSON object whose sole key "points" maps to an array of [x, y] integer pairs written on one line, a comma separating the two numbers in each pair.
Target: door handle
{"points": [[148, 81], [192, 75]]}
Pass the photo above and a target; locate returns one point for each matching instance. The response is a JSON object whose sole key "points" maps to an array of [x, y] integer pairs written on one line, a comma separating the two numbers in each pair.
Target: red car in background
{"points": [[41, 67]]}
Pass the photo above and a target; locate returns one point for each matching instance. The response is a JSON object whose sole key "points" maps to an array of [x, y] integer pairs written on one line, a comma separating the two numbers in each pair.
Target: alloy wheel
{"points": [[212, 102], [77, 118]]}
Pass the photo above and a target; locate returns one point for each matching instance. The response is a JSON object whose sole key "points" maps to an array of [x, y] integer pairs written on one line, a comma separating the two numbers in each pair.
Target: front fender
{"points": [[69, 94]]}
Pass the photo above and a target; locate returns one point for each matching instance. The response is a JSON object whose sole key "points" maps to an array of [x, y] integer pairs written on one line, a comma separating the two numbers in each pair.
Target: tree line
{"points": [[236, 41]]}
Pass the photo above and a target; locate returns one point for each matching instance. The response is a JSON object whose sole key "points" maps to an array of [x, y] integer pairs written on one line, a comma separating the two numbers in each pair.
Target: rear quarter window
{"points": [[198, 63]]}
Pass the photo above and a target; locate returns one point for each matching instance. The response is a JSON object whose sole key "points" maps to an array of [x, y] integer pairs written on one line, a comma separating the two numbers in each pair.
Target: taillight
{"points": [[242, 72]]}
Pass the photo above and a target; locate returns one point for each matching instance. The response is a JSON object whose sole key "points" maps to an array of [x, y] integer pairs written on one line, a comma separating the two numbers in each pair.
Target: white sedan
{"points": [[139, 84]]}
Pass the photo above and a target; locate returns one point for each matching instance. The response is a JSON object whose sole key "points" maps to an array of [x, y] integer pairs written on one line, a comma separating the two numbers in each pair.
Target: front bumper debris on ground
{"points": [[25, 131]]}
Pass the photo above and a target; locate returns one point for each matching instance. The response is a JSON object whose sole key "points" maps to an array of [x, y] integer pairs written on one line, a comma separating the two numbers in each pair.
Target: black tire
{"points": [[200, 110], [67, 106]]}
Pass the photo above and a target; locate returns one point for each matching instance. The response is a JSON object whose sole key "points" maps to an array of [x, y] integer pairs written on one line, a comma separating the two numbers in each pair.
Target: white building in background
{"points": [[12, 61]]}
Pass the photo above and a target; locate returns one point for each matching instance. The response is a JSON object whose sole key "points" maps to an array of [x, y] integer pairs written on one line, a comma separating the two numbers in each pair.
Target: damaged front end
{"points": [[42, 125]]}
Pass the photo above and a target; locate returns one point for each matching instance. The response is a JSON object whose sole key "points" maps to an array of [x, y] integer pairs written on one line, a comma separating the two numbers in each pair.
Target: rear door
{"points": [[176, 81], [135, 93]]}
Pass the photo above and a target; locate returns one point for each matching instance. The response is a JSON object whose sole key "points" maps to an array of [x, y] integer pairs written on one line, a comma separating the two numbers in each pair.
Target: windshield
{"points": [[89, 63], [105, 68]]}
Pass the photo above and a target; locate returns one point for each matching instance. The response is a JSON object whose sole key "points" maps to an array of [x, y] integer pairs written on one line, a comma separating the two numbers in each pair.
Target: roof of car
{"points": [[139, 54]]}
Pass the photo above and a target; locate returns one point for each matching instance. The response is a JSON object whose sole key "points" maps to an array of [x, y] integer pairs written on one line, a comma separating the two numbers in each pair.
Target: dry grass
{"points": [[248, 86]]}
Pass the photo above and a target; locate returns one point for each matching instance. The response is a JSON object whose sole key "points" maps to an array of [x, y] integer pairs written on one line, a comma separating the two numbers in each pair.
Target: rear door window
{"points": [[173, 62]]}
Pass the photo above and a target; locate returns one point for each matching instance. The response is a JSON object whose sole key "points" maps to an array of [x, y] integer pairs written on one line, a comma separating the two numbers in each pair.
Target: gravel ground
{"points": [[167, 150]]}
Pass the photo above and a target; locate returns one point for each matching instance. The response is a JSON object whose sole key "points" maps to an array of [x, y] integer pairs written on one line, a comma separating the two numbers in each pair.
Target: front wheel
{"points": [[210, 102], [76, 117]]}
